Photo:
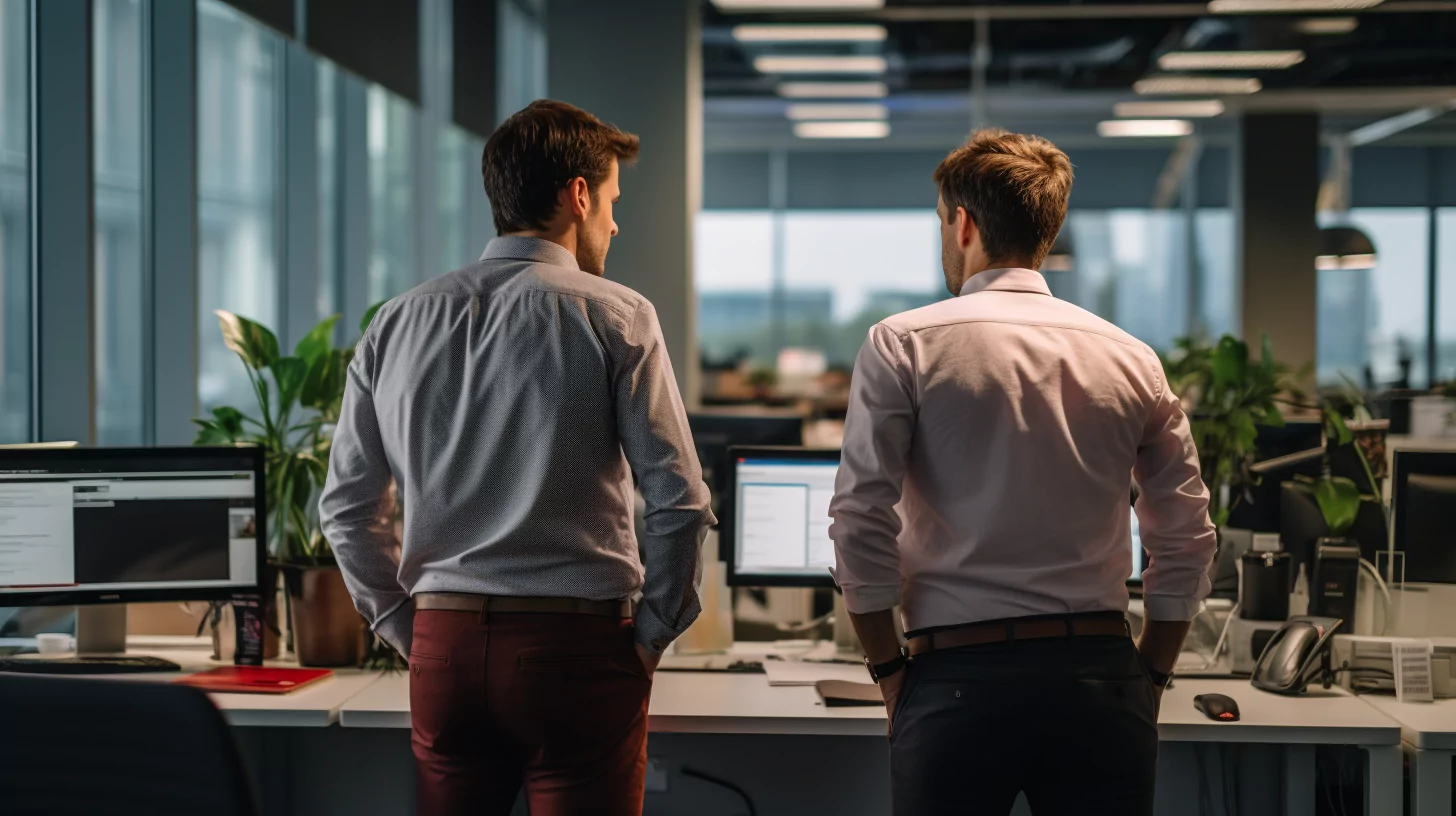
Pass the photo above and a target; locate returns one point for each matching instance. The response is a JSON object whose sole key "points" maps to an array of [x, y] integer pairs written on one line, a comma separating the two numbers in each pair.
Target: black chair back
{"points": [[73, 747]]}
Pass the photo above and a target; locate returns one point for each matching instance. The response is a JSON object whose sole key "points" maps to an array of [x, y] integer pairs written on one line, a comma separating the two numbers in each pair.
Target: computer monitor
{"points": [[714, 433], [775, 524], [110, 525], [1424, 497]]}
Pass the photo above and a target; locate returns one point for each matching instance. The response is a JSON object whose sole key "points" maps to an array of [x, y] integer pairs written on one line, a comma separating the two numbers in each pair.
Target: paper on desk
{"points": [[1412, 659], [800, 673]]}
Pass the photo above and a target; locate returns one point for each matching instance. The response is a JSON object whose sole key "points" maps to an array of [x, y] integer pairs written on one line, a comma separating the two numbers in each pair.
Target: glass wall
{"points": [[119, 285], [1131, 268], [1372, 323], [451, 206], [391, 195], [1446, 295], [14, 223], [842, 271], [329, 297], [238, 69]]}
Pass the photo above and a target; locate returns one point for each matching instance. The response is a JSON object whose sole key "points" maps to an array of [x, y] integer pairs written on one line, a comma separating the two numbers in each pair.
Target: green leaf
{"points": [[323, 384], [253, 342], [318, 342], [288, 372], [369, 316], [1230, 360], [1274, 418], [1266, 356], [1336, 429], [1339, 502]]}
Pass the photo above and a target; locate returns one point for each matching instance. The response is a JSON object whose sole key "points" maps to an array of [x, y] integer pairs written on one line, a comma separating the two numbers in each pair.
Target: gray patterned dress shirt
{"points": [[512, 402]]}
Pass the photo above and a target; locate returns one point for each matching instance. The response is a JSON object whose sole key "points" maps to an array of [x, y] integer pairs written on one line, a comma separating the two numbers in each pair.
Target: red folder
{"points": [[254, 679]]}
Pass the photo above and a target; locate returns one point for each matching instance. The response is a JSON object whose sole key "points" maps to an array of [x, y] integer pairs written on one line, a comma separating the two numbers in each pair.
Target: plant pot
{"points": [[327, 630]]}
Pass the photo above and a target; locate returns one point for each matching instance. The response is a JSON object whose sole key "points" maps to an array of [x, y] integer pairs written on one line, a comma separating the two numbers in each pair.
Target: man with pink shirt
{"points": [[1009, 427]]}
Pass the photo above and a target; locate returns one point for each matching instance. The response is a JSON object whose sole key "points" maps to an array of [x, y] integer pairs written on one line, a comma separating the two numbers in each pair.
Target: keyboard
{"points": [[103, 664]]}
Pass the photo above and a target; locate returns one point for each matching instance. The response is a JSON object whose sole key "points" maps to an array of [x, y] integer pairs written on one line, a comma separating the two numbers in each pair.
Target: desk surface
{"points": [[682, 702], [728, 703], [314, 706], [1428, 726], [1333, 717]]}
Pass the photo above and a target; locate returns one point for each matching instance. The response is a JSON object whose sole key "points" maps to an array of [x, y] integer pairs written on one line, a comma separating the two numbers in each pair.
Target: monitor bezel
{"points": [[40, 458], [1406, 462], [728, 522]]}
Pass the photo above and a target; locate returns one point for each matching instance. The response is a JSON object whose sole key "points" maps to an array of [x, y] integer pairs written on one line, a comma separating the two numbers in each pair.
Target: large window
{"points": [[119, 286], [1372, 323], [391, 195], [329, 297], [237, 162], [14, 224], [814, 280], [1131, 268], [451, 182], [819, 280], [1446, 296]]}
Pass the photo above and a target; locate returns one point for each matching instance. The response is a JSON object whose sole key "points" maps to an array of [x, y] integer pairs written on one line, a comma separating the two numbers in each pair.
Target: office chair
{"points": [[72, 747]]}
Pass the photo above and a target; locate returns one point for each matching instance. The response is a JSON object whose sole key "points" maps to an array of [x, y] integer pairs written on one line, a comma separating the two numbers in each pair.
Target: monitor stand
{"points": [[101, 630], [100, 649]]}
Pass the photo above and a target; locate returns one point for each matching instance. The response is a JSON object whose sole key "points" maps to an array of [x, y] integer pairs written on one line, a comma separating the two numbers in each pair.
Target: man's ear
{"points": [[966, 228], [575, 198]]}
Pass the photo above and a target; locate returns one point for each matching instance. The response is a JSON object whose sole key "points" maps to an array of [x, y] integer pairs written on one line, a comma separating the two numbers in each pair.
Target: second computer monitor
{"points": [[775, 520], [1424, 494]]}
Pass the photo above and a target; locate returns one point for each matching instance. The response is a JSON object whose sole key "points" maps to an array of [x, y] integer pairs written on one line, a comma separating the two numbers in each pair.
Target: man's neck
{"points": [[1011, 263], [564, 239]]}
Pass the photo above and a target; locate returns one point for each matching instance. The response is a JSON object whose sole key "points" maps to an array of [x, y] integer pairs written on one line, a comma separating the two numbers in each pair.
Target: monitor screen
{"points": [[714, 434], [780, 517], [96, 526], [1424, 495]]}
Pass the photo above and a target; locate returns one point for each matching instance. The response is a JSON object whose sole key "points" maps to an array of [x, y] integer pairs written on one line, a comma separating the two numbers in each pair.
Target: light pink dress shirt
{"points": [[1008, 427]]}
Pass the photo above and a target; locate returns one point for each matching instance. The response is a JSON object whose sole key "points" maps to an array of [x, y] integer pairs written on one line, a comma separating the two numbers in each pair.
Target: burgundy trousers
{"points": [[554, 702]]}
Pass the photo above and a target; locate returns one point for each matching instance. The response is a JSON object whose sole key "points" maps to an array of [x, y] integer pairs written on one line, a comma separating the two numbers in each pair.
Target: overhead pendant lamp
{"points": [[1345, 248]]}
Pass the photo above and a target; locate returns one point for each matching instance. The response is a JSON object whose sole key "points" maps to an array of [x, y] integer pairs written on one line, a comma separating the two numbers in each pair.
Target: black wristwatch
{"points": [[1159, 679], [879, 671]]}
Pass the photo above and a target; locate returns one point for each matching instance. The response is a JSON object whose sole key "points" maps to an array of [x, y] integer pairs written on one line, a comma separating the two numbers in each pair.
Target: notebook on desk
{"points": [[254, 679], [836, 693]]}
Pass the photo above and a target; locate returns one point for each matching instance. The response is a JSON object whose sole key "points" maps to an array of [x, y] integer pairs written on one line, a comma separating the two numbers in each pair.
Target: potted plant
{"points": [[299, 397], [1227, 398]]}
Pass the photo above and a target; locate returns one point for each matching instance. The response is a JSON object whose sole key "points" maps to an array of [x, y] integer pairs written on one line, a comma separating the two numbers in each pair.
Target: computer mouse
{"points": [[1220, 707]]}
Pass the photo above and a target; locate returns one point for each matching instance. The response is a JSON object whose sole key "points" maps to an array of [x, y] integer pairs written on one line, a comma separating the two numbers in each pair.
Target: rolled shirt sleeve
{"points": [[1172, 510], [878, 429], [653, 427], [355, 510]]}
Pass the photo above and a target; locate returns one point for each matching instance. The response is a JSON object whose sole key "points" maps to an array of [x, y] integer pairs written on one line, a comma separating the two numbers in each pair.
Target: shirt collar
{"points": [[536, 250], [1007, 280]]}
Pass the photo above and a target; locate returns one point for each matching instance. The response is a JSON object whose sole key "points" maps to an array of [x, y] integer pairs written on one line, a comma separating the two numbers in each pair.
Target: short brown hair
{"points": [[535, 153], [1015, 187]]}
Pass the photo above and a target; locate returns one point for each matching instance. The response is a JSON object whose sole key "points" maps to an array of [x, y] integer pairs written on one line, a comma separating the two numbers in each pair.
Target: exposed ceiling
{"points": [[1058, 68]]}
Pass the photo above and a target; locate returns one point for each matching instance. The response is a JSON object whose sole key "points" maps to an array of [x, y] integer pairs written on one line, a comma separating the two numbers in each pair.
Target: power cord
{"points": [[722, 783]]}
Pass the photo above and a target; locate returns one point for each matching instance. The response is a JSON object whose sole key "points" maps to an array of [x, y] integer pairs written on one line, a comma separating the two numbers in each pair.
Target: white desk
{"points": [[730, 703], [682, 703], [314, 706], [1319, 717], [1428, 731]]}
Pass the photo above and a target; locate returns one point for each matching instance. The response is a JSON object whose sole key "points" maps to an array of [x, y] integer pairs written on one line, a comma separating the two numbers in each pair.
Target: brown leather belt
{"points": [[978, 634], [463, 602]]}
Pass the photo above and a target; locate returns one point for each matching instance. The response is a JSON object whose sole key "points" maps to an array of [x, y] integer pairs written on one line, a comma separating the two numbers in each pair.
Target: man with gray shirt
{"points": [[513, 402]]}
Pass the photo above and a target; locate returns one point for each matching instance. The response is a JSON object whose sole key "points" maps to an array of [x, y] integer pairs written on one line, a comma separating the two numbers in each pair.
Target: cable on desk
{"points": [[722, 783]]}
